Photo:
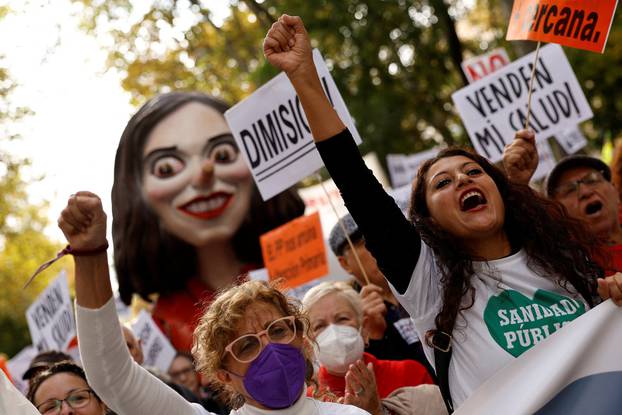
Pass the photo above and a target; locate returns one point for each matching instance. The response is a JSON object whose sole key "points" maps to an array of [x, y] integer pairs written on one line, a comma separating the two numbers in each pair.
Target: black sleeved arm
{"points": [[389, 236]]}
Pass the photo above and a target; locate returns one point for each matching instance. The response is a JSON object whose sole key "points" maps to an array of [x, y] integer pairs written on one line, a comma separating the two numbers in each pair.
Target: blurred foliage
{"points": [[23, 244], [396, 62]]}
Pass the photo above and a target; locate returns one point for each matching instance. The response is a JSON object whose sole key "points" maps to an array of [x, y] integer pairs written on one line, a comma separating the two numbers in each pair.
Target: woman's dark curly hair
{"points": [[557, 246], [147, 258], [64, 366]]}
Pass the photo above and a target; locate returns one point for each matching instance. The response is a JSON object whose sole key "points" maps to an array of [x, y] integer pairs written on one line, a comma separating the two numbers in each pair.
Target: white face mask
{"points": [[338, 347]]}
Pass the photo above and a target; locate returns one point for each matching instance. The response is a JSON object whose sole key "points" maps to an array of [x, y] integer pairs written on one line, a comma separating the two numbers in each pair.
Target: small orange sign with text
{"points": [[581, 24], [295, 252]]}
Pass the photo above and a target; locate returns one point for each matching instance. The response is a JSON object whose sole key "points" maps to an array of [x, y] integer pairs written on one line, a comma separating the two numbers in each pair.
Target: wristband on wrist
{"points": [[68, 250]]}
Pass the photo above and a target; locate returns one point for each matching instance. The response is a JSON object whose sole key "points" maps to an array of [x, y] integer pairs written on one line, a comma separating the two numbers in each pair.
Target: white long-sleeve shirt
{"points": [[129, 389]]}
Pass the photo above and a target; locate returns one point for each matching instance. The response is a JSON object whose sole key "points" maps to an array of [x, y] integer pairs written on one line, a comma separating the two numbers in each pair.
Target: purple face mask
{"points": [[276, 377]]}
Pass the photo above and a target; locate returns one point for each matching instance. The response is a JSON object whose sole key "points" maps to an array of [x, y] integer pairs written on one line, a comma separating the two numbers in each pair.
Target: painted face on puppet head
{"points": [[463, 199], [193, 176]]}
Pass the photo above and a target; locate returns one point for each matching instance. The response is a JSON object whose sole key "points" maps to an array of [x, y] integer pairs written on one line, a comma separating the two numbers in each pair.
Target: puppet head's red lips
{"points": [[207, 207]]}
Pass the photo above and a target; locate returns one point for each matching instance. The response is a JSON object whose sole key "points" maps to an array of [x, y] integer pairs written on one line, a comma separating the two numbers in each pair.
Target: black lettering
{"points": [[562, 24], [477, 106], [501, 91], [526, 77], [260, 144], [278, 124], [549, 26], [572, 99], [563, 103], [292, 138], [588, 30], [270, 137], [542, 10], [486, 140], [488, 101], [254, 159], [552, 118], [577, 18], [536, 120], [515, 84]]}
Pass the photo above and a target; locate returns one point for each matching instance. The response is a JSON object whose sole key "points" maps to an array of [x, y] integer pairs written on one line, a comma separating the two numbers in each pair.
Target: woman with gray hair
{"points": [[340, 330]]}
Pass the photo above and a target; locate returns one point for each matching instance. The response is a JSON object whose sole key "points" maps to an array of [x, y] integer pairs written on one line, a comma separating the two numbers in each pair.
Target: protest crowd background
{"points": [[353, 207]]}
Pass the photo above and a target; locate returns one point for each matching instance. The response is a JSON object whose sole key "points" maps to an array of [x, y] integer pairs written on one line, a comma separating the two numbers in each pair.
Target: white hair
{"points": [[325, 288]]}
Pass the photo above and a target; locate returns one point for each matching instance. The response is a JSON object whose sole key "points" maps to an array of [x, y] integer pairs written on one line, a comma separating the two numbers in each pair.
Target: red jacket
{"points": [[390, 375], [177, 314]]}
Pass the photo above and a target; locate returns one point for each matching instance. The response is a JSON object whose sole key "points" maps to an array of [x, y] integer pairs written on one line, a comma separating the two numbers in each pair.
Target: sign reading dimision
{"points": [[273, 134]]}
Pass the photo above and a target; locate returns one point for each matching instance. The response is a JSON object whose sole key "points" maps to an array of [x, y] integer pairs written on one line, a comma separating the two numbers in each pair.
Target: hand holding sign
{"points": [[287, 47], [520, 158], [83, 222]]}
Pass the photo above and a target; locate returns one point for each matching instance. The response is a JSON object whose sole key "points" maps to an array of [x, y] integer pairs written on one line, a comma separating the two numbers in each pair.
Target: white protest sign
{"points": [[157, 349], [19, 364], [403, 168], [401, 195], [571, 140], [575, 371], [273, 135], [483, 65], [494, 108], [50, 317], [546, 162]]}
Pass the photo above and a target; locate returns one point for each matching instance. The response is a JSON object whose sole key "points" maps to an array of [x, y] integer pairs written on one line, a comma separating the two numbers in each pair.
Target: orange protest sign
{"points": [[295, 251], [582, 24]]}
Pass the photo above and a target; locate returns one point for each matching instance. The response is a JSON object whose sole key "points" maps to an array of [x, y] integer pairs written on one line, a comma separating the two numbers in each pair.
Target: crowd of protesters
{"points": [[404, 336]]}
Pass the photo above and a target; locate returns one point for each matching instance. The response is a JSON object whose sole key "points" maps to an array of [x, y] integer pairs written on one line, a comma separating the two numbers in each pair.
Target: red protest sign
{"points": [[483, 65], [582, 24], [295, 251]]}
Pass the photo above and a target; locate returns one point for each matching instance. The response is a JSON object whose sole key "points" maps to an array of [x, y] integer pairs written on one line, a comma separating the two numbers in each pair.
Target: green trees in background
{"points": [[23, 244], [395, 61]]}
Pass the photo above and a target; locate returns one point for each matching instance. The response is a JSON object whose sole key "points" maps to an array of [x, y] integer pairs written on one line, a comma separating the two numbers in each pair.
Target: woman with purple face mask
{"points": [[250, 341]]}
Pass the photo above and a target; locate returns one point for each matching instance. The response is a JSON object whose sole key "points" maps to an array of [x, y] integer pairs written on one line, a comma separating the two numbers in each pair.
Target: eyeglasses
{"points": [[76, 400], [572, 188], [246, 348]]}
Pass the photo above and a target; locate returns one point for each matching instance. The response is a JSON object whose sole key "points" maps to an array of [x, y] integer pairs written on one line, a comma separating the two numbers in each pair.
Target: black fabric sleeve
{"points": [[389, 236]]}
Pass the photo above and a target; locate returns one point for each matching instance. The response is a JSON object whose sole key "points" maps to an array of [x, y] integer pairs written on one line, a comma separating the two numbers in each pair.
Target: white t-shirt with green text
{"points": [[514, 309]]}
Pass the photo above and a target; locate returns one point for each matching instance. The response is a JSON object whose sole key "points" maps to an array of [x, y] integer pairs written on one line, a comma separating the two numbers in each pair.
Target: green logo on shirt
{"points": [[517, 322]]}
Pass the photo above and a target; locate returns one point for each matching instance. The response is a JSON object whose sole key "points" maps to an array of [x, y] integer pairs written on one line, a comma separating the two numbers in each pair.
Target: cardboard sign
{"points": [[483, 65], [546, 160], [403, 168], [272, 132], [579, 24], [571, 140], [494, 108], [157, 349], [295, 251], [50, 317]]}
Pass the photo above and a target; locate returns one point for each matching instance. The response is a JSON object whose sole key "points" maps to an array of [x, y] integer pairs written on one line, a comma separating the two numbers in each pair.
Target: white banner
{"points": [[495, 107], [50, 317], [272, 132], [12, 401], [575, 371], [403, 168], [157, 349], [571, 140], [480, 66]]}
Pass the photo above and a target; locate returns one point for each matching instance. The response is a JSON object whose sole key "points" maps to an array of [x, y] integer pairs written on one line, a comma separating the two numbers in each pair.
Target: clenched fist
{"points": [[83, 222], [520, 158]]}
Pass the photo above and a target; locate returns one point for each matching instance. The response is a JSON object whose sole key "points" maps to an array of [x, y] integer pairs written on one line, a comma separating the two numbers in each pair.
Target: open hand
{"points": [[520, 158], [83, 221], [287, 47], [361, 389], [374, 309], [611, 287]]}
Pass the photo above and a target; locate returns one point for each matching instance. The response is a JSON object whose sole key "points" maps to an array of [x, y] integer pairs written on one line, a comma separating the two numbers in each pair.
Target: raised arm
{"points": [[389, 236], [122, 384], [520, 157]]}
